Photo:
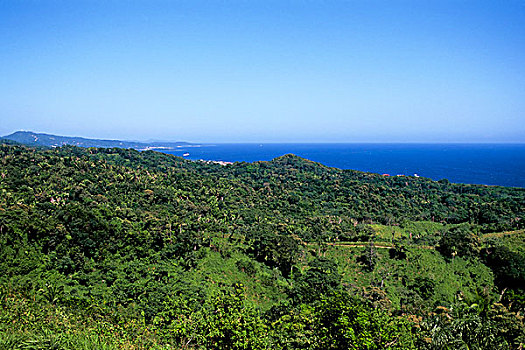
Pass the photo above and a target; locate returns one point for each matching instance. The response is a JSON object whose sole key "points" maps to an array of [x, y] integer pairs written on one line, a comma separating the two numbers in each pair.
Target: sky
{"points": [[265, 71]]}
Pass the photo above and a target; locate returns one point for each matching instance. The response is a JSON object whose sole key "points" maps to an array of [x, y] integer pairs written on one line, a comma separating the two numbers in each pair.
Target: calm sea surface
{"points": [[488, 164]]}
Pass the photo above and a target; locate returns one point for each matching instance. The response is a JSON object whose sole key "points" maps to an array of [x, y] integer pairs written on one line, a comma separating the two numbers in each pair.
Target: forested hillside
{"points": [[120, 249], [39, 139]]}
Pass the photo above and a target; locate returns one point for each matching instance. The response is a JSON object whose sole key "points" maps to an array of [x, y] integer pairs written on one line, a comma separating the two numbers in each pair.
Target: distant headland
{"points": [[49, 140]]}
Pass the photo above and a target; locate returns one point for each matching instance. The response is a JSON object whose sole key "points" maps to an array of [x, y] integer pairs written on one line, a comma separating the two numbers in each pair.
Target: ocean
{"points": [[487, 164]]}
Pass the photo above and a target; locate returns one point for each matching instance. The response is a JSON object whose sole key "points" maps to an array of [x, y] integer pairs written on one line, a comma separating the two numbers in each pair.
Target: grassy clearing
{"points": [[514, 240]]}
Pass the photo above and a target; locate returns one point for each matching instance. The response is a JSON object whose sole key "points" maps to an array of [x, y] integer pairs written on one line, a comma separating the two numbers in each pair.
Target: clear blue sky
{"points": [[265, 71]]}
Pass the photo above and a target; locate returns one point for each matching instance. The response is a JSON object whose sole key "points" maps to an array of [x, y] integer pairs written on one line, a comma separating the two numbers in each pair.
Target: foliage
{"points": [[344, 323], [120, 249], [460, 241]]}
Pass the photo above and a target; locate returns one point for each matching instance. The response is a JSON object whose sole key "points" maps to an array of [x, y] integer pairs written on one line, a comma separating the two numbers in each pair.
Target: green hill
{"points": [[118, 249]]}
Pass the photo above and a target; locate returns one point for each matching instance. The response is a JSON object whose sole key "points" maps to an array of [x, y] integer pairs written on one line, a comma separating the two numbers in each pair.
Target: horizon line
{"points": [[271, 142]]}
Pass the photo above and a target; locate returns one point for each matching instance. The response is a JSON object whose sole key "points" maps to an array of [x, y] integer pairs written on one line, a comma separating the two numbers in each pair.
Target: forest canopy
{"points": [[120, 249]]}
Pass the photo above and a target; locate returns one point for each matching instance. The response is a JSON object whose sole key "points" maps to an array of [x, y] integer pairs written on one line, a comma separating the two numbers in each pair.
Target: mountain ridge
{"points": [[51, 140]]}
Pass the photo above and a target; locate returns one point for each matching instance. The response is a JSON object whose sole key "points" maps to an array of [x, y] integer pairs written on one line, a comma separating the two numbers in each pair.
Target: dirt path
{"points": [[380, 245], [501, 234], [385, 245]]}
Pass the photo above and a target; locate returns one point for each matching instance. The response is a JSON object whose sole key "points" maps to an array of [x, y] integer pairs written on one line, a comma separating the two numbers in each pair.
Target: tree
{"points": [[321, 278], [508, 266], [459, 241], [346, 323], [230, 322], [369, 257]]}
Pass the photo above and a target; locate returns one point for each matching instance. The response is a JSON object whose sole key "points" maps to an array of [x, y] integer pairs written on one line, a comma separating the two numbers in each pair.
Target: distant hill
{"points": [[48, 140]]}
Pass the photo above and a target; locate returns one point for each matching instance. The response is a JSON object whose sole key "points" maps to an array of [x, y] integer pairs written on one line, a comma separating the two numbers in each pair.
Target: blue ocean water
{"points": [[488, 164]]}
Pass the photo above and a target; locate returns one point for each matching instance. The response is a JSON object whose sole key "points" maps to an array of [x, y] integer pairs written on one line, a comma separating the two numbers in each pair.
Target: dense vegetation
{"points": [[120, 249]]}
